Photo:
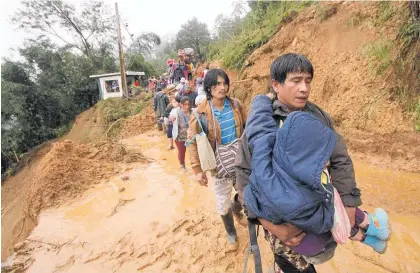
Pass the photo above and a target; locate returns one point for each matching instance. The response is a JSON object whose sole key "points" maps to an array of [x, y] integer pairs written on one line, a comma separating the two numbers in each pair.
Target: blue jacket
{"points": [[287, 162]]}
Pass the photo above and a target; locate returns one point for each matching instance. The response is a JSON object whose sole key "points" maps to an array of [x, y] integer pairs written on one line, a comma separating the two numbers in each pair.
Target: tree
{"points": [[227, 27], [28, 115], [82, 30], [136, 62], [144, 43], [43, 93], [196, 35]]}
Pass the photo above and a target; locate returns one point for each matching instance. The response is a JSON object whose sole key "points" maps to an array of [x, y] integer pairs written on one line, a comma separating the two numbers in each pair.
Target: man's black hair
{"points": [[210, 80], [290, 63]]}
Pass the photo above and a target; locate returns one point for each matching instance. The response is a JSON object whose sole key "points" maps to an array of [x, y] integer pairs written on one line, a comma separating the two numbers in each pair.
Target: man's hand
{"points": [[202, 179], [286, 233], [351, 213]]}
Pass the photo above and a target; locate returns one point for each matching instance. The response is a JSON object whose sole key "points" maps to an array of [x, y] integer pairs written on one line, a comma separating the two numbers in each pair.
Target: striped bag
{"points": [[225, 159]]}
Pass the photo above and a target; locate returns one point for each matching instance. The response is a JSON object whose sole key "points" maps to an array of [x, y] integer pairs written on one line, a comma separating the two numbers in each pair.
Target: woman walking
{"points": [[180, 117]]}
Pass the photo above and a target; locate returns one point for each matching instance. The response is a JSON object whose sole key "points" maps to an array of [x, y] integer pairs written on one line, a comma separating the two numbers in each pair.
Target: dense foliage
{"points": [[42, 93]]}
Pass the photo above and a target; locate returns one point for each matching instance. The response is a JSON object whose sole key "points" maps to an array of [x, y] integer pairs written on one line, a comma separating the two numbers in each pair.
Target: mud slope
{"points": [[60, 170], [343, 85], [151, 218]]}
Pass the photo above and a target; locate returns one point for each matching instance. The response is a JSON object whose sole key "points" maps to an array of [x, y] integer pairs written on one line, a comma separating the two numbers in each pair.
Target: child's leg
{"points": [[169, 135], [372, 229], [181, 152], [312, 244], [361, 221], [375, 224]]}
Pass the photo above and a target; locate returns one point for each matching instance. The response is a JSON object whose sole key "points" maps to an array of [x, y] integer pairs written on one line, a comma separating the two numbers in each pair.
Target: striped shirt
{"points": [[226, 122]]}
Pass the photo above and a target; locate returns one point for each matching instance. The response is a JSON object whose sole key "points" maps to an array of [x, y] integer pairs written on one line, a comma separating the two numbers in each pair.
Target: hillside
{"points": [[360, 102]]}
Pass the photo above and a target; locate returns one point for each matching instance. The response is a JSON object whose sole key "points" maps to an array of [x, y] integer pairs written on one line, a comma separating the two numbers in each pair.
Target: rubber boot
{"points": [[237, 212], [375, 243], [230, 227], [379, 225]]}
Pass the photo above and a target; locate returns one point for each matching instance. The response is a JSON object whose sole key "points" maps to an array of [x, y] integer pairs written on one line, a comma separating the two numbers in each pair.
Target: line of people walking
{"points": [[289, 169]]}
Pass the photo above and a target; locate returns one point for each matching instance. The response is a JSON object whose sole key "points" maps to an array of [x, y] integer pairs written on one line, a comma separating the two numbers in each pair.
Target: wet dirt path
{"points": [[159, 220]]}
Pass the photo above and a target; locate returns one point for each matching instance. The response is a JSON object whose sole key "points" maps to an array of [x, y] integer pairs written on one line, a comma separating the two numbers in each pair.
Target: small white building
{"points": [[110, 84]]}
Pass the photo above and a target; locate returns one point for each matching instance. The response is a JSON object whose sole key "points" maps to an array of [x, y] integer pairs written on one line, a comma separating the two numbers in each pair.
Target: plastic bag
{"points": [[341, 228]]}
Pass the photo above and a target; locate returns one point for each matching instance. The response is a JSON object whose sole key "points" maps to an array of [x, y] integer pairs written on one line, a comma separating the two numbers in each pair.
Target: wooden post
{"points": [[121, 54]]}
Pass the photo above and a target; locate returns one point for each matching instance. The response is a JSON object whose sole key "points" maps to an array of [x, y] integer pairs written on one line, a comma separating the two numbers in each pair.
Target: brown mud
{"points": [[152, 218]]}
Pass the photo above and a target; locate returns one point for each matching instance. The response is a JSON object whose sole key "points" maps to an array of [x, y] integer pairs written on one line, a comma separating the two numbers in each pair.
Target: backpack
{"points": [[179, 71]]}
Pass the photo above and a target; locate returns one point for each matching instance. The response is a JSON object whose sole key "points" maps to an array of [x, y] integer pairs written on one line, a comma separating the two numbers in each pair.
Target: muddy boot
{"points": [[375, 243], [379, 225], [230, 227], [237, 212]]}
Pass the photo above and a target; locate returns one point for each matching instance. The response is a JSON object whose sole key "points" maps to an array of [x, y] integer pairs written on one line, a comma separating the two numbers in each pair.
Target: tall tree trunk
{"points": [[415, 10]]}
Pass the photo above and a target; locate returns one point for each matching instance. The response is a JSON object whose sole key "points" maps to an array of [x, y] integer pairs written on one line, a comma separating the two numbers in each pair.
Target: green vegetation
{"points": [[323, 12], [114, 109], [417, 116], [385, 12], [397, 61], [49, 86], [258, 26], [380, 53]]}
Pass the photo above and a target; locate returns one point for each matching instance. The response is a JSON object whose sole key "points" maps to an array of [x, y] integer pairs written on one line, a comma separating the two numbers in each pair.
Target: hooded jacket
{"points": [[160, 103], [287, 163], [341, 168]]}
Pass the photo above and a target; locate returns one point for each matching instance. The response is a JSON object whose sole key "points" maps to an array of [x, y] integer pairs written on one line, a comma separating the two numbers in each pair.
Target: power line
{"points": [[132, 39]]}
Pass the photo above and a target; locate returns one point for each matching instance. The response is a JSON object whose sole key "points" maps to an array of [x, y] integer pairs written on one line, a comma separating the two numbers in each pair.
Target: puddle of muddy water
{"points": [[169, 224]]}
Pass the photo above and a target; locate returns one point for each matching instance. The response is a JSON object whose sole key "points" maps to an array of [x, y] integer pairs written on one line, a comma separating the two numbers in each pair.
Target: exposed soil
{"points": [[359, 101], [139, 123], [163, 221], [88, 127], [56, 177]]}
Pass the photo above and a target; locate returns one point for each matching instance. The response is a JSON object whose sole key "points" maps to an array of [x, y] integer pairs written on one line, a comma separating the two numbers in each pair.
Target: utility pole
{"points": [[122, 64]]}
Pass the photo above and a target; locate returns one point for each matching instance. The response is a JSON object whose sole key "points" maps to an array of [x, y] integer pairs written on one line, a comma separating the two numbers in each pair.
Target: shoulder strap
{"points": [[214, 123], [253, 248], [198, 120], [235, 103]]}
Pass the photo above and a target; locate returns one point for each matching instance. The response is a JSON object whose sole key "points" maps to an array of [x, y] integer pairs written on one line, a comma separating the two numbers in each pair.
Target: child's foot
{"points": [[379, 225], [378, 245], [183, 169], [170, 148]]}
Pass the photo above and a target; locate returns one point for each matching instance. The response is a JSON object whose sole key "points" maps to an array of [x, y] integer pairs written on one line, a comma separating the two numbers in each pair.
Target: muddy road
{"points": [[152, 218]]}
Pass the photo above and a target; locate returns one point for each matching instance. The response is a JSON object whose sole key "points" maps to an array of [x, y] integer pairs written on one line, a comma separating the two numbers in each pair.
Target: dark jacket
{"points": [[160, 103], [168, 110], [287, 163], [341, 168]]}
